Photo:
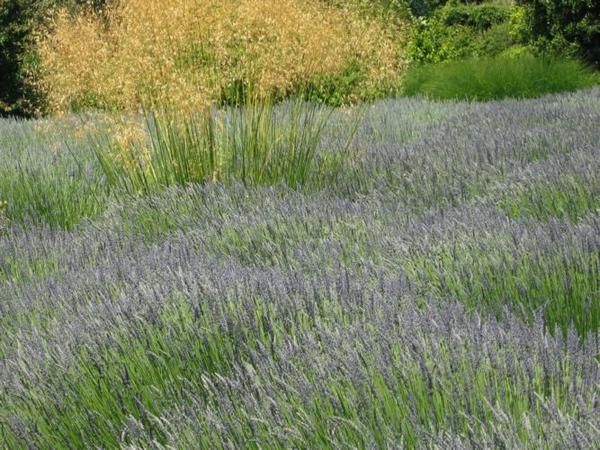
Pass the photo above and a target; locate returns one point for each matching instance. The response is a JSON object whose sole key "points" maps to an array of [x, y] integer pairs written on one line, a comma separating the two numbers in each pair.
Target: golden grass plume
{"points": [[188, 52]]}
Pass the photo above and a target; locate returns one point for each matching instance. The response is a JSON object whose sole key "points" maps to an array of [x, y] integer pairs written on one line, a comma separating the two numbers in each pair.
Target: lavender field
{"points": [[434, 283]]}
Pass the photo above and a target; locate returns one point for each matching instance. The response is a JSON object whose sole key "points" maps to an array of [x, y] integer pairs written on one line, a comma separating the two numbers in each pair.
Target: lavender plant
{"points": [[443, 291], [47, 174]]}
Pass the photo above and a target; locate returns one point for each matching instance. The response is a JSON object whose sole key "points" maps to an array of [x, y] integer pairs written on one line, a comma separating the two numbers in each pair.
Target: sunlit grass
{"points": [[483, 79]]}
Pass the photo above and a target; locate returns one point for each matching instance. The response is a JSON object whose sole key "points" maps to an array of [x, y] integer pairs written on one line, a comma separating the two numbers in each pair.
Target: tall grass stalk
{"points": [[175, 151], [260, 143], [265, 145]]}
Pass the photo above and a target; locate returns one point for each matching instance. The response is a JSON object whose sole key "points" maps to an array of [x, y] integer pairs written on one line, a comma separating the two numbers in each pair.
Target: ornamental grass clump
{"points": [[192, 53], [494, 78], [163, 150], [259, 143], [266, 144]]}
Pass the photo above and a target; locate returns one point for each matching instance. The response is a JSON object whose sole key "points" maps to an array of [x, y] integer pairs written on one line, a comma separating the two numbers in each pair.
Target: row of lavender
{"points": [[444, 292]]}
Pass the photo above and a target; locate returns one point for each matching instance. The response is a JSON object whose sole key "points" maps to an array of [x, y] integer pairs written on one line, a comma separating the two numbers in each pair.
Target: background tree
{"points": [[18, 20], [565, 26]]}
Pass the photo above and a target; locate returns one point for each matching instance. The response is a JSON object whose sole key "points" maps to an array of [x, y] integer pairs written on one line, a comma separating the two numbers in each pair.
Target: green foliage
{"points": [[345, 88], [480, 17], [495, 40], [435, 42], [570, 198], [499, 77], [336, 90], [518, 24], [57, 199], [3, 219], [457, 31], [565, 26], [497, 280], [516, 51]]}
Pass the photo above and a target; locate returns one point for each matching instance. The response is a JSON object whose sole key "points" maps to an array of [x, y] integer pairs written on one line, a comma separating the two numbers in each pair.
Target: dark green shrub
{"points": [[435, 42], [458, 31], [495, 40], [483, 79], [565, 26], [480, 17]]}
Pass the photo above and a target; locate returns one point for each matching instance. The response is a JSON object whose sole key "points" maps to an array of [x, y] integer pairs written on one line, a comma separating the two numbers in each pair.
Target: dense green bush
{"points": [[454, 29], [497, 39], [523, 76], [481, 17], [457, 31], [434, 42], [565, 27]]}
